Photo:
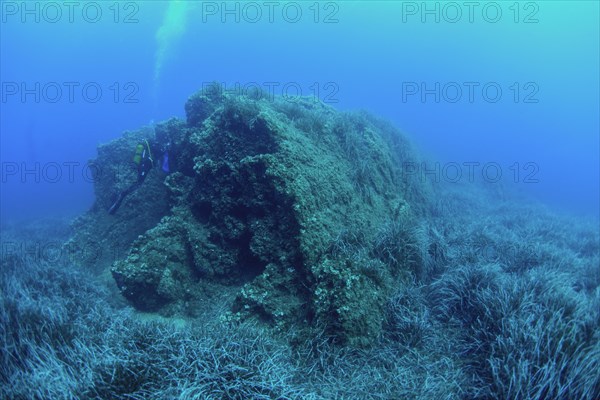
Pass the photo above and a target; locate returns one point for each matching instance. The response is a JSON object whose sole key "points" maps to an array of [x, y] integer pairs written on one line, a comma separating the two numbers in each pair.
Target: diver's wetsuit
{"points": [[145, 165]]}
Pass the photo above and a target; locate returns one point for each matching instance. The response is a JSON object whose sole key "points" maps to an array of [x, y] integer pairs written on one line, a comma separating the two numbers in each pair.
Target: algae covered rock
{"points": [[263, 197], [156, 271]]}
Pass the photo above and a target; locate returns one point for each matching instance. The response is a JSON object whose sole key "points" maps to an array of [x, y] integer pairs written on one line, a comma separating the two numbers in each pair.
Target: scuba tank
{"points": [[139, 151]]}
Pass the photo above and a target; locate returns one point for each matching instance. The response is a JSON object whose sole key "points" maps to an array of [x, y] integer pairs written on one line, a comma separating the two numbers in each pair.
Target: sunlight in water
{"points": [[168, 34]]}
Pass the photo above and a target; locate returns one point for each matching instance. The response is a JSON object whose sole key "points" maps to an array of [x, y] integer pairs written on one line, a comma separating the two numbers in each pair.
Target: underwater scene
{"points": [[300, 200]]}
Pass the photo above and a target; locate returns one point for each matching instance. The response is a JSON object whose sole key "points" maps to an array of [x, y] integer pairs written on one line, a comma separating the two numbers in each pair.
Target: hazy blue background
{"points": [[368, 53]]}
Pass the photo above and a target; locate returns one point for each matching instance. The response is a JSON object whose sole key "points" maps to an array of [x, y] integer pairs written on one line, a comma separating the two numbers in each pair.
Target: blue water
{"points": [[410, 62]]}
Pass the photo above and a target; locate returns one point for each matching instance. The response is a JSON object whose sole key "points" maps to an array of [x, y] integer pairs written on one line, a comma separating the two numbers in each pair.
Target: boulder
{"points": [[279, 201]]}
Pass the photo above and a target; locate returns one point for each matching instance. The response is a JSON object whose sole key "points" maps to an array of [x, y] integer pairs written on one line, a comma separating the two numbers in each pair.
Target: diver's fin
{"points": [[113, 209]]}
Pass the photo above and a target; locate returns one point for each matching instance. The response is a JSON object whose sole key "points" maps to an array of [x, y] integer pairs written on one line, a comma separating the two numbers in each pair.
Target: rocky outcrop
{"points": [[280, 202]]}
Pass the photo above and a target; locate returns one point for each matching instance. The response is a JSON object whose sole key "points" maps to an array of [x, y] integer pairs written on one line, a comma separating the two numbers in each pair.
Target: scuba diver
{"points": [[144, 160]]}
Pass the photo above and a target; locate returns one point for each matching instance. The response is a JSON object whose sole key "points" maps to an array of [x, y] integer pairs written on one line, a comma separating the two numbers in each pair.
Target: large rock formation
{"points": [[290, 208]]}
